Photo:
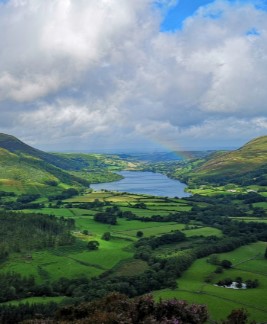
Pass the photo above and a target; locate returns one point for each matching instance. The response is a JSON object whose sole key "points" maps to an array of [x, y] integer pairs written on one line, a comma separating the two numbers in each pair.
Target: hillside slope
{"points": [[247, 165], [13, 144], [24, 168]]}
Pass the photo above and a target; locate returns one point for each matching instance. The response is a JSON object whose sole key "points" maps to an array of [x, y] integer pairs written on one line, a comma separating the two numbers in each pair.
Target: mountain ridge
{"points": [[246, 165], [15, 145], [32, 168]]}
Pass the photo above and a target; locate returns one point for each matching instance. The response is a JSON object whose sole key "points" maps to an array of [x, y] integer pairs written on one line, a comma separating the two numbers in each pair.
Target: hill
{"points": [[13, 144], [25, 173], [246, 165], [27, 169]]}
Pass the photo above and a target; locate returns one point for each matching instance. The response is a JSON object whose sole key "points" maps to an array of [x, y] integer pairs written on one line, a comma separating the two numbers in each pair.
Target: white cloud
{"points": [[48, 45], [102, 71]]}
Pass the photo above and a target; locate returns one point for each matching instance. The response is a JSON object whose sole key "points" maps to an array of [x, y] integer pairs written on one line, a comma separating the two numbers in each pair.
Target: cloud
{"points": [[49, 45], [102, 73]]}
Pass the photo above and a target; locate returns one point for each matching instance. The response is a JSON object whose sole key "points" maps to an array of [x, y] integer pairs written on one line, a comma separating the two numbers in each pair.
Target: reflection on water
{"points": [[149, 183]]}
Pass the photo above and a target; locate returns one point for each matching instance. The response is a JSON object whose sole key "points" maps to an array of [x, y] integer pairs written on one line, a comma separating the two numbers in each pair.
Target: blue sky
{"points": [[113, 75], [175, 16], [178, 13]]}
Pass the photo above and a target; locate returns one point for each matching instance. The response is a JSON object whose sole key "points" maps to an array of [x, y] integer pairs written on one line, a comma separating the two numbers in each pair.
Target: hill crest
{"points": [[246, 165]]}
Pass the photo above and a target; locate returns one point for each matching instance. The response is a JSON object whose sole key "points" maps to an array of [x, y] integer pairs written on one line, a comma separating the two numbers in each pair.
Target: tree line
{"points": [[24, 233]]}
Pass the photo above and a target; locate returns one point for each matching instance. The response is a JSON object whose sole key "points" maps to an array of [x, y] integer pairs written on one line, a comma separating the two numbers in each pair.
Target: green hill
{"points": [[26, 169], [247, 165], [14, 145]]}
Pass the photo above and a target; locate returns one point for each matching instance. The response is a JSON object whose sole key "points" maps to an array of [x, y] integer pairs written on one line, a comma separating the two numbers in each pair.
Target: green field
{"points": [[250, 219], [76, 261], [115, 257], [248, 263], [37, 300], [70, 262]]}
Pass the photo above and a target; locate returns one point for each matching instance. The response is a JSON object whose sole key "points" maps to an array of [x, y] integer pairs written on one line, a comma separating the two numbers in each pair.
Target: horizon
{"points": [[170, 75], [152, 151]]}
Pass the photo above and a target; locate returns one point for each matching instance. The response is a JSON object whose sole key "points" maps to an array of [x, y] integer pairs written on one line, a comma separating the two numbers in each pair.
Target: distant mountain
{"points": [[155, 157], [246, 165]]}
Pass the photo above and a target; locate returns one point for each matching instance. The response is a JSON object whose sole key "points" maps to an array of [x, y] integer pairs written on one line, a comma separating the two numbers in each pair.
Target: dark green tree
{"points": [[139, 234], [226, 264], [106, 236], [93, 245]]}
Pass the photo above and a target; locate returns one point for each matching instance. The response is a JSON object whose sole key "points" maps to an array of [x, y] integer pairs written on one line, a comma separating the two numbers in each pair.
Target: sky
{"points": [[133, 75]]}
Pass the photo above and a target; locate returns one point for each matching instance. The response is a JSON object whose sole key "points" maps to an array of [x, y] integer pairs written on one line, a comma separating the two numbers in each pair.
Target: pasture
{"points": [[75, 261], [70, 261], [248, 262]]}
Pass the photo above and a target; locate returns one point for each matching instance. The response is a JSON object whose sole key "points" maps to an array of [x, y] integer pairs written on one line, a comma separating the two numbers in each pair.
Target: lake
{"points": [[148, 183]]}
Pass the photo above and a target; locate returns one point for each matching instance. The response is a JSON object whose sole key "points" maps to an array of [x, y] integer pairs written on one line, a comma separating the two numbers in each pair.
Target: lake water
{"points": [[148, 183]]}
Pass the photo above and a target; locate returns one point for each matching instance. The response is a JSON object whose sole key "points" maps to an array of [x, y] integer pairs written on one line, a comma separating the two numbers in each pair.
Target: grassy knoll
{"points": [[248, 262]]}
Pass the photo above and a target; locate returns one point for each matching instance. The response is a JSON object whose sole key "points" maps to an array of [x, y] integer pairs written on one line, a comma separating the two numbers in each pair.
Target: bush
{"points": [[106, 236], [93, 245], [226, 264]]}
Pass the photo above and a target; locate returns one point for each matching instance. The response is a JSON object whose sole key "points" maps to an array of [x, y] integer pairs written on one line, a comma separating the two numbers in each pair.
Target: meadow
{"points": [[248, 263], [115, 257], [75, 261]]}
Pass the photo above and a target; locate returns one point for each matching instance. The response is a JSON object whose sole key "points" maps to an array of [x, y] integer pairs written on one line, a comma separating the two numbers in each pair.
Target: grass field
{"points": [[249, 264], [84, 220], [117, 254], [130, 268], [260, 204], [250, 219], [37, 300], [70, 262]]}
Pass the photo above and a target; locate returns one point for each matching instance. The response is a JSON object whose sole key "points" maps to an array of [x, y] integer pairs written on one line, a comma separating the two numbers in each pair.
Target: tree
{"points": [[265, 254], [106, 236], [93, 245], [226, 264], [213, 259], [139, 234], [237, 316], [219, 269]]}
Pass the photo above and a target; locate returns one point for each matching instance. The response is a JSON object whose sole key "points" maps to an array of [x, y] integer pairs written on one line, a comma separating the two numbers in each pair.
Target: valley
{"points": [[76, 245]]}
